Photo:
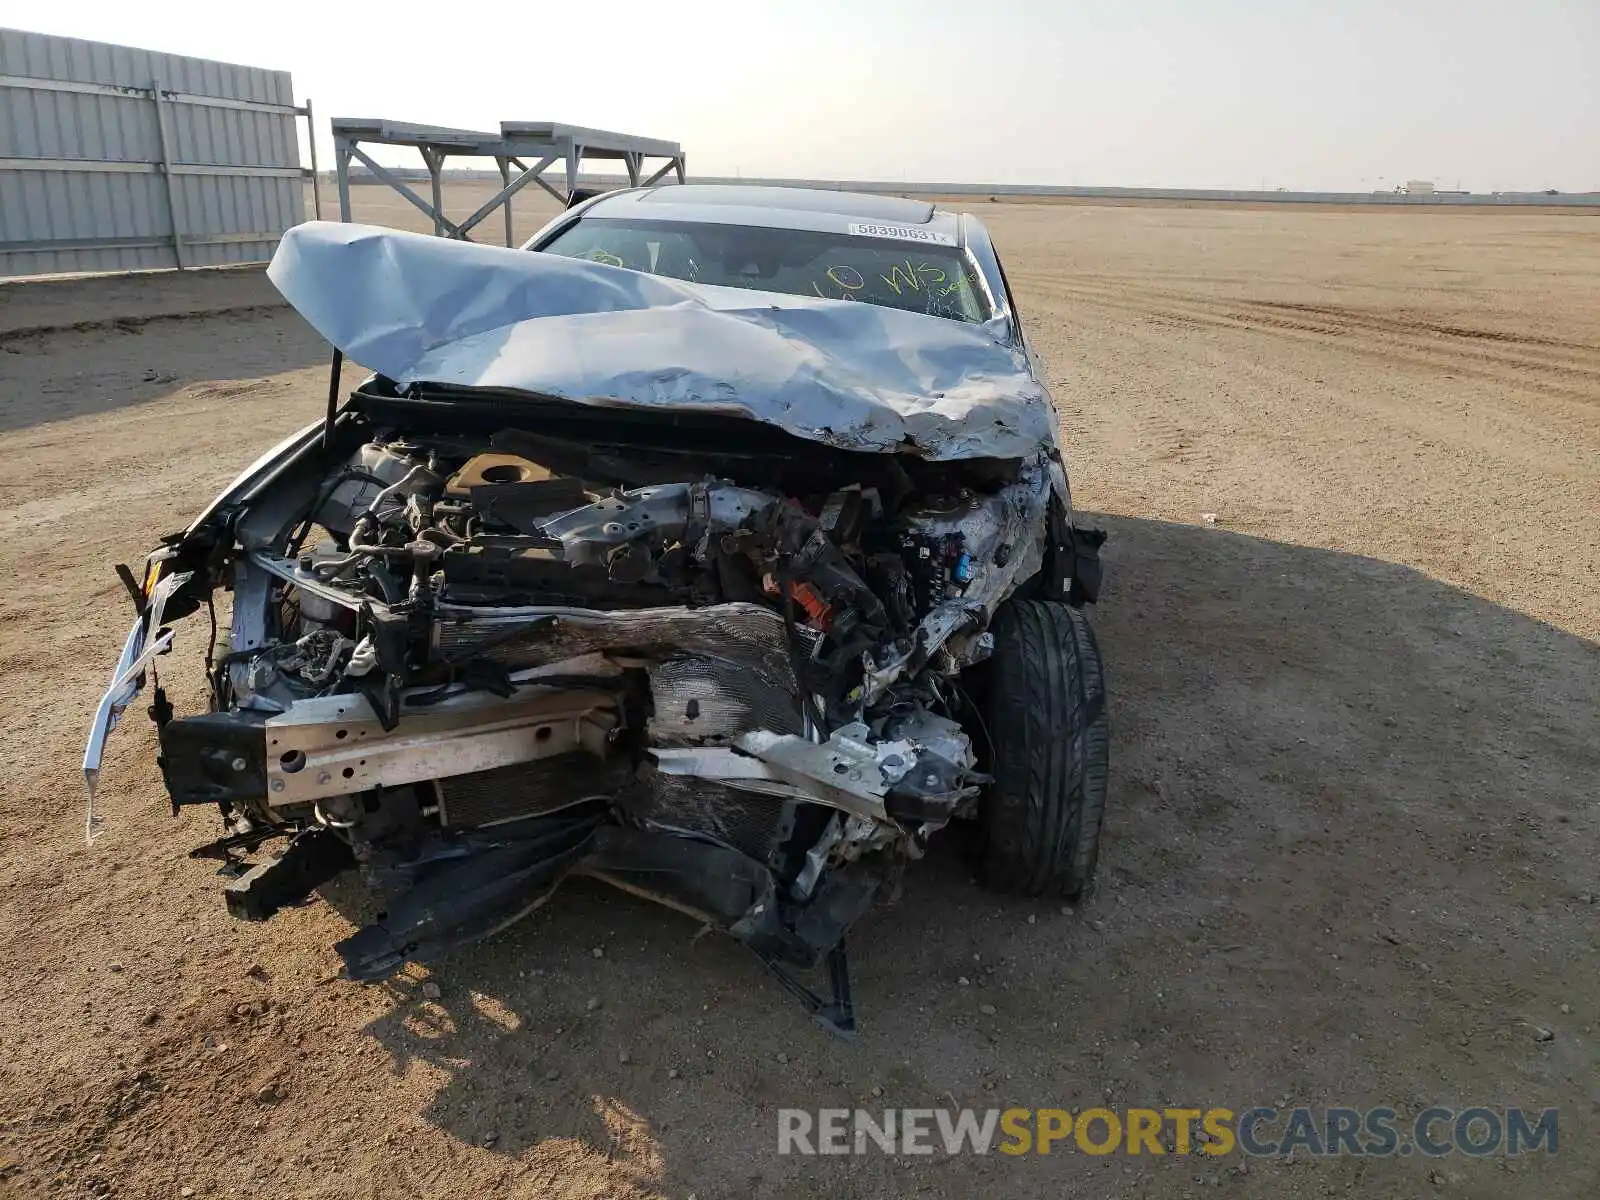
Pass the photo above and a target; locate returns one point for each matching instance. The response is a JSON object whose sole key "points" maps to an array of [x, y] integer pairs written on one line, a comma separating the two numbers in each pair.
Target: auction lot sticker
{"points": [[907, 233]]}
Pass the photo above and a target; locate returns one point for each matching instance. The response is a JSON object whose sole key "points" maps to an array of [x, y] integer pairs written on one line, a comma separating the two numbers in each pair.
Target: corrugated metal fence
{"points": [[115, 159]]}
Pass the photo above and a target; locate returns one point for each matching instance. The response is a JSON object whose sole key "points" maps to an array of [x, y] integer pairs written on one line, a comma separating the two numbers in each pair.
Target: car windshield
{"points": [[892, 272]]}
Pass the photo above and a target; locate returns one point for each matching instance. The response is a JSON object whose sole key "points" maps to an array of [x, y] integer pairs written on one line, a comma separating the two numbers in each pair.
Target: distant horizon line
{"points": [[1436, 196]]}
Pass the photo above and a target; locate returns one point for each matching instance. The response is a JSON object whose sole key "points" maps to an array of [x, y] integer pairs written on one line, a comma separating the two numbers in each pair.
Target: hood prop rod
{"points": [[333, 398]]}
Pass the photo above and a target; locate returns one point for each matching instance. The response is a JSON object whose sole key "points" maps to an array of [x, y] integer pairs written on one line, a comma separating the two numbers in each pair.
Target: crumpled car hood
{"points": [[422, 309]]}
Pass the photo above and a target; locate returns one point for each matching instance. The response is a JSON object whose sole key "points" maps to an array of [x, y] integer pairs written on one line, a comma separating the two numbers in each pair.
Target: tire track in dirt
{"points": [[1557, 369], [1502, 412], [1166, 395]]}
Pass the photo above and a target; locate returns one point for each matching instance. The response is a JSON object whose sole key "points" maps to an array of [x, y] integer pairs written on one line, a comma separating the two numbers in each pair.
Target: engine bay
{"points": [[473, 660], [443, 528]]}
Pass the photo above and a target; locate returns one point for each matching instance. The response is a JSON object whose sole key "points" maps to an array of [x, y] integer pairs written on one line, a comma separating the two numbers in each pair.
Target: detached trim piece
{"points": [[310, 860]]}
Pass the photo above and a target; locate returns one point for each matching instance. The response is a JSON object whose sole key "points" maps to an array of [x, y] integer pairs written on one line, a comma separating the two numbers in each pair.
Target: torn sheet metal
{"points": [[146, 640], [424, 309], [1004, 546], [126, 682], [801, 775]]}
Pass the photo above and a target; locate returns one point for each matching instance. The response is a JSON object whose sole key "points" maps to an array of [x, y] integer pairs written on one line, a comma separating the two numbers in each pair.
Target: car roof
{"points": [[867, 207], [769, 207]]}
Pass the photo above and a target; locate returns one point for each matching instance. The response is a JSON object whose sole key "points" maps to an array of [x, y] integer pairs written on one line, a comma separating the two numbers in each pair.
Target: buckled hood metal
{"points": [[428, 310]]}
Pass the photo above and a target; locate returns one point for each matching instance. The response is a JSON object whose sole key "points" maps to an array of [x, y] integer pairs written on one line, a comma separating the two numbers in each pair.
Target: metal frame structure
{"points": [[543, 143], [32, 98]]}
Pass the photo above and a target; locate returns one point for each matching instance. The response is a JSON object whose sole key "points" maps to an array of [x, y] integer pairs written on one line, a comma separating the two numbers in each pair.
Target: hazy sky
{"points": [[1317, 94]]}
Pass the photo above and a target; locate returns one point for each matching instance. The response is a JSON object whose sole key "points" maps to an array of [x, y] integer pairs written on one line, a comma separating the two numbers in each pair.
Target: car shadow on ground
{"points": [[1348, 824]]}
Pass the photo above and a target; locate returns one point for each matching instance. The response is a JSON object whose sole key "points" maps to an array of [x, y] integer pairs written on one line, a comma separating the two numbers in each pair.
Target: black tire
{"points": [[1050, 742]]}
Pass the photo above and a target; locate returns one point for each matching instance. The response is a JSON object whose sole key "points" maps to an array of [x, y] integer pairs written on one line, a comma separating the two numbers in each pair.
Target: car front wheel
{"points": [[1049, 738]]}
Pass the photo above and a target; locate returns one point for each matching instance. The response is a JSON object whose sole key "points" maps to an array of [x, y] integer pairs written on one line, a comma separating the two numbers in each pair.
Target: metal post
{"points": [[505, 188], [681, 166], [316, 179], [341, 174], [633, 161], [165, 167], [574, 159], [435, 160]]}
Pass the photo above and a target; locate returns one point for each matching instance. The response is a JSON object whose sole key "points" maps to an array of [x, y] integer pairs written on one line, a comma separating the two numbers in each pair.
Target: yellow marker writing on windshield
{"points": [[912, 276]]}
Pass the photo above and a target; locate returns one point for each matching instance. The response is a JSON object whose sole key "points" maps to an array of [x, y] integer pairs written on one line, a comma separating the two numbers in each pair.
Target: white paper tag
{"points": [[907, 233]]}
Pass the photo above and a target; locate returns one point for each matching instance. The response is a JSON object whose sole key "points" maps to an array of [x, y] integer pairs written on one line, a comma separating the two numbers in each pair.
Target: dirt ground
{"points": [[1350, 856]]}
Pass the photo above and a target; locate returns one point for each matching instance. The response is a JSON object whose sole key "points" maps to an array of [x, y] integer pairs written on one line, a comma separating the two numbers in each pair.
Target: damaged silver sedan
{"points": [[720, 549]]}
